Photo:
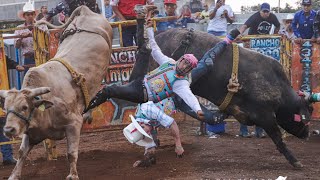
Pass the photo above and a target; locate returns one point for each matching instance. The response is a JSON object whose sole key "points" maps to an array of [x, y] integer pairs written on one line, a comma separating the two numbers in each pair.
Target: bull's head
{"points": [[300, 125], [20, 107]]}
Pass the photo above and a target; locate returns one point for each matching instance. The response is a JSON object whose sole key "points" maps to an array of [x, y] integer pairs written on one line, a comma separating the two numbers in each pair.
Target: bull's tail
{"points": [[75, 13]]}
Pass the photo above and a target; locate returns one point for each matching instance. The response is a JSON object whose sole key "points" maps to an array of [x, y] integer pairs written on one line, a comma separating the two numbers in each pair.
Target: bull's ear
{"points": [[3, 93], [43, 104]]}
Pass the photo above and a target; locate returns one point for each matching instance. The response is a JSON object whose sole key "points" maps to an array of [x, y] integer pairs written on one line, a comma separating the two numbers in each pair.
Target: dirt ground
{"points": [[107, 155]]}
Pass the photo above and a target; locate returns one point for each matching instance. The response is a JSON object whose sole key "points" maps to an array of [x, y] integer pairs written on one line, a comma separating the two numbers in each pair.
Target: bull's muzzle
{"points": [[9, 131]]}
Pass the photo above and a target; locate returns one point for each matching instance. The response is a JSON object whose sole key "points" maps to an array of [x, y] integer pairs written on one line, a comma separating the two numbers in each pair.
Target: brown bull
{"points": [[50, 103]]}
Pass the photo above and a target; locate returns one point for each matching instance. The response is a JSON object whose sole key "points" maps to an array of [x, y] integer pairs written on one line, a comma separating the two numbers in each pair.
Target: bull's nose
{"points": [[9, 131]]}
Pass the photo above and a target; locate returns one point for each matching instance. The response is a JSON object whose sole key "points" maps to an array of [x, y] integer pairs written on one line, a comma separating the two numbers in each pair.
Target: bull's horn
{"points": [[39, 91], [76, 12], [3, 93]]}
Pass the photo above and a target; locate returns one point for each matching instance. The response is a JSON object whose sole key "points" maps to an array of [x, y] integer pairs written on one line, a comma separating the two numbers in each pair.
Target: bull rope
{"points": [[78, 78], [234, 77]]}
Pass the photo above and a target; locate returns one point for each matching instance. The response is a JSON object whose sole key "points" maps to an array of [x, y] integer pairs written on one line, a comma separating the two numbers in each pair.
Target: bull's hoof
{"points": [[298, 165], [72, 177]]}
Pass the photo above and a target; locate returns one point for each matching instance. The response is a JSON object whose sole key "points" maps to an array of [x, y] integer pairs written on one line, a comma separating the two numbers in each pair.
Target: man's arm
{"points": [[115, 9], [11, 64], [243, 28], [276, 24], [182, 89], [156, 53], [176, 135], [295, 25]]}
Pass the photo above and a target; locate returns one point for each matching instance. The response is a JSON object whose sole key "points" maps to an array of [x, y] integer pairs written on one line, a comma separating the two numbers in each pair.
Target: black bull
{"points": [[266, 98]]}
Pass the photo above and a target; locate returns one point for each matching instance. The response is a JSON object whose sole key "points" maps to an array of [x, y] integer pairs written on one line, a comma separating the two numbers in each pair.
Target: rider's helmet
{"points": [[185, 64]]}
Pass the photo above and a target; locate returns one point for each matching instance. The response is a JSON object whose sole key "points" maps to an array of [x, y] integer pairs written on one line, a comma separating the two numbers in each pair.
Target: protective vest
{"points": [[161, 80]]}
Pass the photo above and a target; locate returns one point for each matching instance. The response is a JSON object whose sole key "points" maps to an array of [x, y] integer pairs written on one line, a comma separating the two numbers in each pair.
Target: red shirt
{"points": [[126, 6]]}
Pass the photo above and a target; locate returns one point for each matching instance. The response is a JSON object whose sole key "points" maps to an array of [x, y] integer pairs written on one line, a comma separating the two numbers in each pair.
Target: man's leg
{"points": [[127, 38], [207, 61], [140, 67], [6, 150]]}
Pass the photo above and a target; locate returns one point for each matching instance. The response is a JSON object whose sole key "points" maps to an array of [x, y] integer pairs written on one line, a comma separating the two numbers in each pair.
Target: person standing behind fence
{"points": [[170, 7], [68, 6], [219, 16], [124, 9], [204, 15], [25, 42], [302, 23], [109, 14], [287, 29], [261, 22], [185, 16], [43, 13]]}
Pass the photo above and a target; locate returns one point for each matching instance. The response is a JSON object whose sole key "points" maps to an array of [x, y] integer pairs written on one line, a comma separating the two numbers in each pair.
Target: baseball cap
{"points": [[306, 2], [170, 1], [265, 7]]}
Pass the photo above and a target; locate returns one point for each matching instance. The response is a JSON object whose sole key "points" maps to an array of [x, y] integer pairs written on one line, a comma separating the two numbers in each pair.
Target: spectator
{"points": [[185, 16], [67, 7], [195, 6], [287, 29], [302, 23], [43, 12], [261, 22], [108, 11], [170, 7], [204, 16], [124, 10], [219, 16], [25, 42]]}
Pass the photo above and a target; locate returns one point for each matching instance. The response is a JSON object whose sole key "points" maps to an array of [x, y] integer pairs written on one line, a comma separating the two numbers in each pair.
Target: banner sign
{"points": [[269, 46], [305, 74]]}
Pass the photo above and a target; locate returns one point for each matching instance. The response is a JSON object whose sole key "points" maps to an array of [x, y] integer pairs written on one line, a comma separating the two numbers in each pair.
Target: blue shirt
{"points": [[108, 11], [303, 26], [163, 26]]}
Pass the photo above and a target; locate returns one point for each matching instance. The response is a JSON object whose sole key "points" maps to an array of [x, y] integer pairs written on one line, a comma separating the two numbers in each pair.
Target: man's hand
{"points": [[318, 40], [19, 68], [179, 151], [149, 23], [100, 98], [26, 34], [200, 115]]}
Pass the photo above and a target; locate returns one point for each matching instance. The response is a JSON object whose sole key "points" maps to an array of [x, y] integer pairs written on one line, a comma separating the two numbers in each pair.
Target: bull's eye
{"points": [[24, 108]]}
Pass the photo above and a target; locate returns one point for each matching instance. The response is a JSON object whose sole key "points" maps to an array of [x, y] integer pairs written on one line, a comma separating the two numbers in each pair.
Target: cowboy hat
{"points": [[28, 7], [136, 135], [289, 17]]}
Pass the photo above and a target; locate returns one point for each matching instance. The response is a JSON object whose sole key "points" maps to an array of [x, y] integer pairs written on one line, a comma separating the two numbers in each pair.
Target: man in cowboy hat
{"points": [[143, 129], [287, 29], [25, 41]]}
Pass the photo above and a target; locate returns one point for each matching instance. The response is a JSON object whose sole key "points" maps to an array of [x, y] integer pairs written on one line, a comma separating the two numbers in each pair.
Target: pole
{"points": [[279, 6], [103, 8]]}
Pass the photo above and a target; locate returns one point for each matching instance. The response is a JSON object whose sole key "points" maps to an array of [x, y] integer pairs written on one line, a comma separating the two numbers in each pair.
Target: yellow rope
{"points": [[235, 66], [78, 78]]}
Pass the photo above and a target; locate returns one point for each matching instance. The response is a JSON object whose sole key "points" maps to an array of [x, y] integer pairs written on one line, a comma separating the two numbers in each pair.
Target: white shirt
{"points": [[180, 87], [219, 22]]}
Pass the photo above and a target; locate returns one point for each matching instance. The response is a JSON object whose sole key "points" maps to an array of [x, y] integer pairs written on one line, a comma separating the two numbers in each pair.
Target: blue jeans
{"points": [[6, 150], [218, 33], [244, 130], [128, 35]]}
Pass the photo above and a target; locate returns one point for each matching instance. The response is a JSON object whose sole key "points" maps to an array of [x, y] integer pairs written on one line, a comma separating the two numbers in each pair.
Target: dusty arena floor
{"points": [[107, 155]]}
